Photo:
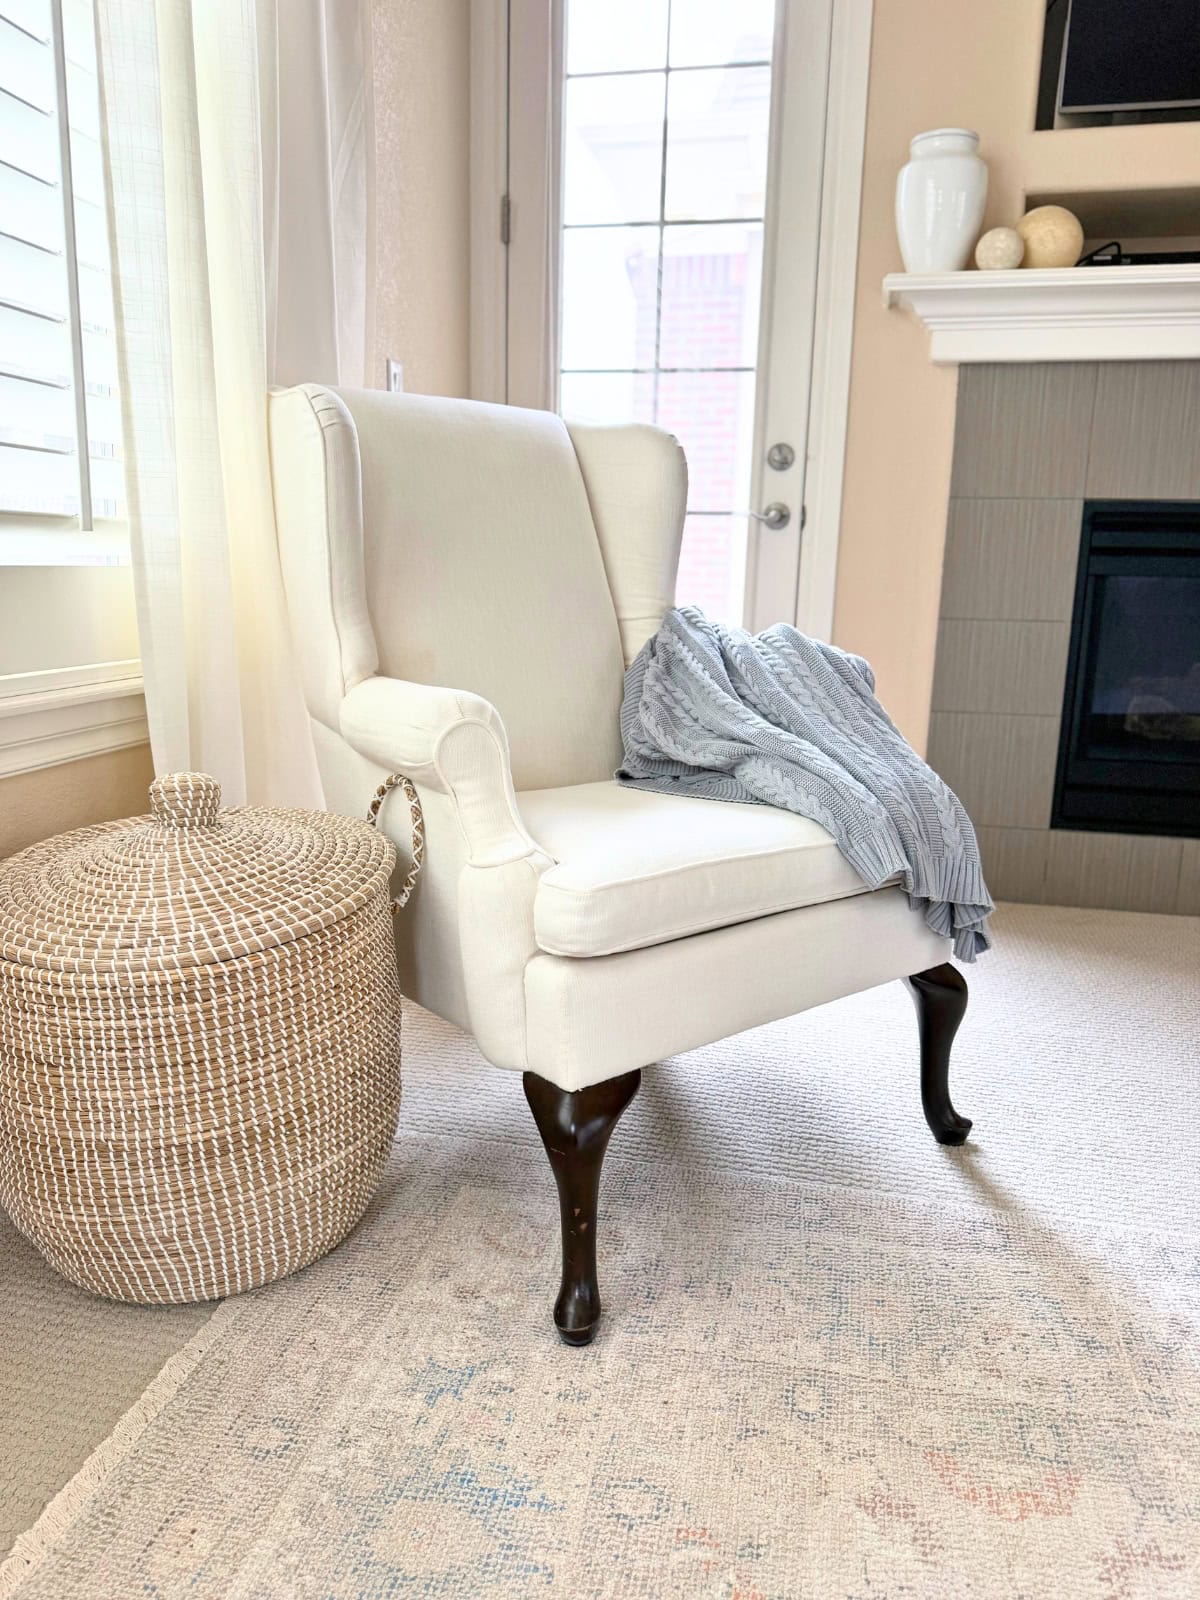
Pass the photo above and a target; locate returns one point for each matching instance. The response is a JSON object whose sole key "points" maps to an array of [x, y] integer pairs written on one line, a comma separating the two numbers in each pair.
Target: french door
{"points": [[667, 167]]}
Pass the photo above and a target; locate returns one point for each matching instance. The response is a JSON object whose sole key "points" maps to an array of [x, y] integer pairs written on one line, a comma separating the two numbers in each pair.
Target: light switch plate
{"points": [[395, 376]]}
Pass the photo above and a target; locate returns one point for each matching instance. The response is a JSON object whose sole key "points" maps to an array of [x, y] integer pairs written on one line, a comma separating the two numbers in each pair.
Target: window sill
{"points": [[68, 713]]}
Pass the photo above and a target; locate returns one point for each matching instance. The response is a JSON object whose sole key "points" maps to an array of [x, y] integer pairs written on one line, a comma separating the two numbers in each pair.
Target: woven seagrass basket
{"points": [[199, 1042]]}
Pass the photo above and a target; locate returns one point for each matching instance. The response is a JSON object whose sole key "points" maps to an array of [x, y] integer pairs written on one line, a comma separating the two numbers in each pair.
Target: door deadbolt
{"points": [[780, 457]]}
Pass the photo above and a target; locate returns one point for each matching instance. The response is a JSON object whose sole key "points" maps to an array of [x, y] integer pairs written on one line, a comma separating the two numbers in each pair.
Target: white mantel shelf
{"points": [[1067, 314]]}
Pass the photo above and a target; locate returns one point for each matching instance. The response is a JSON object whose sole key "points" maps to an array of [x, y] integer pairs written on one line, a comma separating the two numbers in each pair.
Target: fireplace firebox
{"points": [[1129, 749]]}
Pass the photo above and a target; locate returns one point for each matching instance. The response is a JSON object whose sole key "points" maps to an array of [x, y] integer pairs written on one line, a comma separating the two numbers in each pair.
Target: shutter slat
{"points": [[28, 140], [53, 380], [26, 66], [44, 443], [35, 343], [39, 484], [30, 210], [32, 16], [31, 277], [39, 464]]}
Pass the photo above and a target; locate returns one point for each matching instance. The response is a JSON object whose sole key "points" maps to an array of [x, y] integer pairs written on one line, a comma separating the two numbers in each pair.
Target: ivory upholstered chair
{"points": [[466, 584]]}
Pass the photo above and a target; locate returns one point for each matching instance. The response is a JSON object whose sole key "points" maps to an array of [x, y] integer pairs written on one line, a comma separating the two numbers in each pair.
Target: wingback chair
{"points": [[466, 584]]}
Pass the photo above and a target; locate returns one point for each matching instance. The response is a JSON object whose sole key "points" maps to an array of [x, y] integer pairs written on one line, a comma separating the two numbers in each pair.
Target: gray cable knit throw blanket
{"points": [[779, 719]]}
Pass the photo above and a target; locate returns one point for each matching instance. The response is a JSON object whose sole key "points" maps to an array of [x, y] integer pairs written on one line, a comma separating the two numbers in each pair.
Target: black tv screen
{"points": [[1131, 55]]}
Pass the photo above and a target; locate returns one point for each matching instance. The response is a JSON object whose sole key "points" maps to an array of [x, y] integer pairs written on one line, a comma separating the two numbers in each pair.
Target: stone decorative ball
{"points": [[999, 250], [1053, 237]]}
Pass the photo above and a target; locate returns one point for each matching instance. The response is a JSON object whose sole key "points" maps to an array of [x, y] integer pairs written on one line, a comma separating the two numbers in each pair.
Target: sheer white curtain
{"points": [[239, 146]]}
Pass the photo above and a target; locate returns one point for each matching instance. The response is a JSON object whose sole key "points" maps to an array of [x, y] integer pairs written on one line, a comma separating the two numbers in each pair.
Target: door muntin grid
{"points": [[666, 120]]}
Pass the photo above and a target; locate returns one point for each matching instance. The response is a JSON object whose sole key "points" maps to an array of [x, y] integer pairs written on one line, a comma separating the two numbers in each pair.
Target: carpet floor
{"points": [[837, 1360], [71, 1365]]}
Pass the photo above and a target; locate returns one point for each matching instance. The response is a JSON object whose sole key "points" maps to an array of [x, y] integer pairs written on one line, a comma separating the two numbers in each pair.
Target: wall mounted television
{"points": [[1130, 55]]}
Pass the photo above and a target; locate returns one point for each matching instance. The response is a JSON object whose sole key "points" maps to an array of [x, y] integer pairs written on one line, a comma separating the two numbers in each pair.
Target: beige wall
{"points": [[34, 805], [936, 63], [422, 112], [53, 617]]}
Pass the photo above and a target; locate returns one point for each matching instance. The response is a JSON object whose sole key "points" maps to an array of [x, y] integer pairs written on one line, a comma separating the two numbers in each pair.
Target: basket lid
{"points": [[187, 885]]}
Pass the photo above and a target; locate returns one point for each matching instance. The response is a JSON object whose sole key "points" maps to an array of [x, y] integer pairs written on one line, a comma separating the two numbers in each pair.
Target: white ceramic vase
{"points": [[940, 196]]}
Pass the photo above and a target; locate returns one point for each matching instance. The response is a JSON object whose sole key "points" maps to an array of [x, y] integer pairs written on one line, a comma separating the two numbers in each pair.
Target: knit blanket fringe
{"points": [[777, 718]]}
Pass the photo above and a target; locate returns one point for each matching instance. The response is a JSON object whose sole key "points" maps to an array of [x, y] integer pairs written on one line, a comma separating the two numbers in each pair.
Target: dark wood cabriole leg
{"points": [[940, 996], [575, 1129]]}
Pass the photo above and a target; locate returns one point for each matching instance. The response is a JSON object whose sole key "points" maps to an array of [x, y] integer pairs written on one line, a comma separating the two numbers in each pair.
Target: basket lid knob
{"points": [[185, 800]]}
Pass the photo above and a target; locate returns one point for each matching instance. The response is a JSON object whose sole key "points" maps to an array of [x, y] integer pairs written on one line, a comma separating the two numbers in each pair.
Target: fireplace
{"points": [[1129, 745]]}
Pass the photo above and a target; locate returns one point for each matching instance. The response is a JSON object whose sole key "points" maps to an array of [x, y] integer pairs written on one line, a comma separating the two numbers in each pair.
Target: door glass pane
{"points": [[662, 273], [717, 124], [608, 396], [712, 416], [711, 278], [712, 565], [616, 35], [708, 33], [612, 161], [610, 287]]}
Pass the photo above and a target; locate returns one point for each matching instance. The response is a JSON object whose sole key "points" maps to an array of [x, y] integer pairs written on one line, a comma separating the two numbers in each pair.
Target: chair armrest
{"points": [[448, 741]]}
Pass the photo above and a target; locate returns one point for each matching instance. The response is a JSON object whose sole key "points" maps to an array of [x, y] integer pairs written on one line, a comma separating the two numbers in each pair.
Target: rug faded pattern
{"points": [[837, 1361]]}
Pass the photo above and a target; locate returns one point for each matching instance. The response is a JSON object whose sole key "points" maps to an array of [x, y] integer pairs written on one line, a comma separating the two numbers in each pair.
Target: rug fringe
{"points": [[32, 1546]]}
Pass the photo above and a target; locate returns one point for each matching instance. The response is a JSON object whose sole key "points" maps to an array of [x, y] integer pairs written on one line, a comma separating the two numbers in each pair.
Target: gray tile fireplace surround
{"points": [[1031, 444]]}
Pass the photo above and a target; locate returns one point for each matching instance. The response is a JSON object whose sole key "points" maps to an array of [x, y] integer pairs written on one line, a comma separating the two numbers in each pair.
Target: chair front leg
{"points": [[940, 996], [575, 1127]]}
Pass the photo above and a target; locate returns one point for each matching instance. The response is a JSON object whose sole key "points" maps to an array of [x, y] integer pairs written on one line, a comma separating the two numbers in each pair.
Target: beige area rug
{"points": [[837, 1361]]}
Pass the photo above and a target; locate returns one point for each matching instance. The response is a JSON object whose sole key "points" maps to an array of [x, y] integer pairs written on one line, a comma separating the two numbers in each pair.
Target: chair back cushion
{"points": [[474, 547]]}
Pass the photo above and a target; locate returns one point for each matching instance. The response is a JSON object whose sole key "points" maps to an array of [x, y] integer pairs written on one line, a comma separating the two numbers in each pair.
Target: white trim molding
{"points": [[778, 559], [488, 199], [1061, 314], [70, 712], [833, 333], [535, 172]]}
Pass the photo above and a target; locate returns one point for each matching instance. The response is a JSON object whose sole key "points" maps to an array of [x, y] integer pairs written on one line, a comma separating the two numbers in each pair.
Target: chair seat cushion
{"points": [[633, 869]]}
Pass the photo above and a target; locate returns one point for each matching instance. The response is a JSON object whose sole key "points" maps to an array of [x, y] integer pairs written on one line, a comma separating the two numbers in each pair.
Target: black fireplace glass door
{"points": [[1129, 745], [1144, 690]]}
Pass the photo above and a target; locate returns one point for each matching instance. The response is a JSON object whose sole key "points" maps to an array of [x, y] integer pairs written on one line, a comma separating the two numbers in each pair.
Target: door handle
{"points": [[776, 515]]}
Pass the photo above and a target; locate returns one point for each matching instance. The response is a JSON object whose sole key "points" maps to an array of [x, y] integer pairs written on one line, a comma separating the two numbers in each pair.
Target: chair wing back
{"points": [[471, 546], [636, 479], [315, 478]]}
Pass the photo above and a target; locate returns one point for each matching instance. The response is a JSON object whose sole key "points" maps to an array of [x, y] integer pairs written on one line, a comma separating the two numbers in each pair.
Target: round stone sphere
{"points": [[1053, 237], [999, 250]]}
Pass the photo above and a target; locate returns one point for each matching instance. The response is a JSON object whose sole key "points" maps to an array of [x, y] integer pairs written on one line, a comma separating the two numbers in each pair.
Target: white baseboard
{"points": [[50, 717]]}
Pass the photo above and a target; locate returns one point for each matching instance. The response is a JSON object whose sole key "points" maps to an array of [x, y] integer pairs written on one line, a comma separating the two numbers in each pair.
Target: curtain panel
{"points": [[238, 146]]}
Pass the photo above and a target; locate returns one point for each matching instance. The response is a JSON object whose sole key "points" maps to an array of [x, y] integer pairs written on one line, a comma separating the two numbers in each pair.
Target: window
{"points": [[61, 478], [666, 130]]}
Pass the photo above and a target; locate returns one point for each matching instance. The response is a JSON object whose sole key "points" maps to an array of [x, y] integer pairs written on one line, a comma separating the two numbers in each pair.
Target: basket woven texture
{"points": [[199, 1043]]}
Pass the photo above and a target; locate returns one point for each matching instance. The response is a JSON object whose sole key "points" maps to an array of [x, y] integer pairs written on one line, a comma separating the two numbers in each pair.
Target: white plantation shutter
{"points": [[58, 370]]}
